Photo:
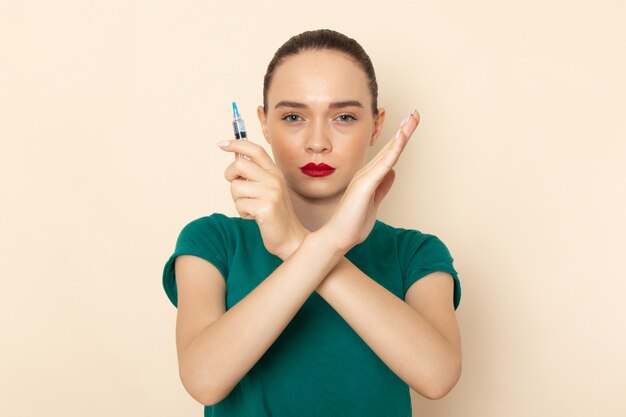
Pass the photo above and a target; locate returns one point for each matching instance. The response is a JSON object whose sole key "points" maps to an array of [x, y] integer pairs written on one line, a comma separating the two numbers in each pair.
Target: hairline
{"points": [[330, 48]]}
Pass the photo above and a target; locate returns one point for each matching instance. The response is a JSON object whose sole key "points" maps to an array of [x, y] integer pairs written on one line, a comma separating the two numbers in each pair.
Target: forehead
{"points": [[319, 76]]}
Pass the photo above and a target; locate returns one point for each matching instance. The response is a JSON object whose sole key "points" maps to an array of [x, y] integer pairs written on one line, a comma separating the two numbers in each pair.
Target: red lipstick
{"points": [[317, 170]]}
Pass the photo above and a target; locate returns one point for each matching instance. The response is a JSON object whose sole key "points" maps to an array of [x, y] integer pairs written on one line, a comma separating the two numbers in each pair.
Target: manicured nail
{"points": [[223, 143], [406, 119]]}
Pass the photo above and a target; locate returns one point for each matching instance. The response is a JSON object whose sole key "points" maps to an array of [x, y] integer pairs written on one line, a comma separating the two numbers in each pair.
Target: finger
{"points": [[245, 168], [250, 149], [253, 208], [410, 123], [376, 171], [406, 130], [389, 154], [240, 188]]}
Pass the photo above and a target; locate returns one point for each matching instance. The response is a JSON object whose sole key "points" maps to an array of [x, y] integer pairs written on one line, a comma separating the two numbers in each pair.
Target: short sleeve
{"points": [[207, 238], [421, 254]]}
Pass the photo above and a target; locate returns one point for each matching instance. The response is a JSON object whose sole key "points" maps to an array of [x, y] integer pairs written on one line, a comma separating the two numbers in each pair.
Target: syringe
{"points": [[239, 127]]}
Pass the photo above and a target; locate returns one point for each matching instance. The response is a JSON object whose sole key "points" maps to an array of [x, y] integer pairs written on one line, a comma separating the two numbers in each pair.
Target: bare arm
{"points": [[418, 339], [214, 358]]}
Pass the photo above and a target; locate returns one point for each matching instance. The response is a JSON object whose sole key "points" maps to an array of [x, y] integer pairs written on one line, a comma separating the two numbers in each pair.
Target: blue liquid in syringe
{"points": [[239, 127]]}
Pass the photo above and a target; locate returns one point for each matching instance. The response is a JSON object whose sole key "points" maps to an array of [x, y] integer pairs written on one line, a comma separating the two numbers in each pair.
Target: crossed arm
{"points": [[418, 339]]}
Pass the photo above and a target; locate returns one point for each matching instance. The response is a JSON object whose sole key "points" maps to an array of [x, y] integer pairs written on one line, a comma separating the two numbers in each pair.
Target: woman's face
{"points": [[319, 111]]}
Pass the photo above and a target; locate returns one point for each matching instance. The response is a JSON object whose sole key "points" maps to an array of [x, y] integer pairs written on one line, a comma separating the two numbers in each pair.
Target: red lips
{"points": [[317, 170]]}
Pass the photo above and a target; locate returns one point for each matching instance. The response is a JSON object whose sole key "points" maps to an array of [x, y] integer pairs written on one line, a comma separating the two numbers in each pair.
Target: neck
{"points": [[313, 213]]}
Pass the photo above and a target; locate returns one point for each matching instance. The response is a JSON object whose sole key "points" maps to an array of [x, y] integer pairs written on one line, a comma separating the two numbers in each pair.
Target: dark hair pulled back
{"points": [[319, 40]]}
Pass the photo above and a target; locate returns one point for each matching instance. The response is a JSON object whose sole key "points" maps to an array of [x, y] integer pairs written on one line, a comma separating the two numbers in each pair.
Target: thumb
{"points": [[384, 187]]}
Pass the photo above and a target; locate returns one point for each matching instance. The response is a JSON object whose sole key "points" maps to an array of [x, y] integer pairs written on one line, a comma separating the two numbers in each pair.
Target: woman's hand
{"points": [[260, 193], [355, 214]]}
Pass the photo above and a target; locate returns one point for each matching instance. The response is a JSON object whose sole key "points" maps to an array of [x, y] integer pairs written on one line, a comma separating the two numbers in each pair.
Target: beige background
{"points": [[109, 112]]}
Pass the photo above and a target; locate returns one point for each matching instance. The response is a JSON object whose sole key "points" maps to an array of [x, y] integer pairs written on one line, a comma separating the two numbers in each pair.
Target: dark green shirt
{"points": [[318, 366]]}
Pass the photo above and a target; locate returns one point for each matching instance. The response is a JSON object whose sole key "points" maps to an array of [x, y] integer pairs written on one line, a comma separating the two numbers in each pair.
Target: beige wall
{"points": [[108, 117]]}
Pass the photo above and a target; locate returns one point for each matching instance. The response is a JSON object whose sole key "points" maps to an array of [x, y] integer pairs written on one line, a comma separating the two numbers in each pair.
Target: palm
{"points": [[355, 214]]}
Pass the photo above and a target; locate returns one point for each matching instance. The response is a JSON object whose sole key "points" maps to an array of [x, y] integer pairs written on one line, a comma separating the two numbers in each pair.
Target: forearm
{"points": [[220, 356], [402, 338]]}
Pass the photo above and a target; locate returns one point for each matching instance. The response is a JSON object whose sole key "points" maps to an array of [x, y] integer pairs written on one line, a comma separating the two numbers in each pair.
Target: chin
{"points": [[322, 192]]}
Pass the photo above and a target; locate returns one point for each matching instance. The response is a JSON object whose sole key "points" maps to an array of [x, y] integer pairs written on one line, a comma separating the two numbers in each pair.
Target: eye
{"points": [[292, 117], [346, 118]]}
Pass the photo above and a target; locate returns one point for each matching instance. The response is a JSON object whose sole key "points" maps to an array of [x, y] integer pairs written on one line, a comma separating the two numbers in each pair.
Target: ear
{"points": [[260, 112], [378, 126]]}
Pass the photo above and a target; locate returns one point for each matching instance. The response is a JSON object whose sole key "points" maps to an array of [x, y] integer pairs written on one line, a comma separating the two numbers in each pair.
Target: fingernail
{"points": [[406, 119], [399, 134], [223, 143]]}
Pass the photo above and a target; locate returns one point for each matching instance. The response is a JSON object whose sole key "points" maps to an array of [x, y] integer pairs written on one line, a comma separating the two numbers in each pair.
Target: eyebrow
{"points": [[333, 105]]}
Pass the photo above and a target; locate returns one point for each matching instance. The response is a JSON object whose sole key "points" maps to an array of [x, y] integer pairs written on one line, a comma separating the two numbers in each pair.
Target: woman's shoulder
{"points": [[406, 236], [219, 223], [216, 219], [396, 231]]}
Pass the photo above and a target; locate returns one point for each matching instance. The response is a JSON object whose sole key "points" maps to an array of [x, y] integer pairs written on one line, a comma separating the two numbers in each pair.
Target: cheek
{"points": [[355, 148], [282, 144], [358, 156], [284, 155]]}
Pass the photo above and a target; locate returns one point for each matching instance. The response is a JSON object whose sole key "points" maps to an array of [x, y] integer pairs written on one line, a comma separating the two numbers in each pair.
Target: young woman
{"points": [[306, 305]]}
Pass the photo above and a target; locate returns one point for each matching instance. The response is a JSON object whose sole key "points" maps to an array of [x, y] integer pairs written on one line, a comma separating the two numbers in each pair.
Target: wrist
{"points": [[326, 235], [322, 240], [294, 243]]}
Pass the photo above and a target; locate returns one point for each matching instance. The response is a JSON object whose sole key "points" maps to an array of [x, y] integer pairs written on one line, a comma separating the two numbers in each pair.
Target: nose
{"points": [[318, 139]]}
